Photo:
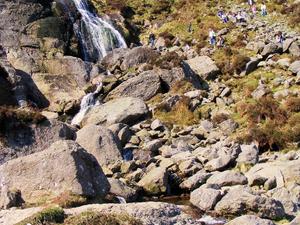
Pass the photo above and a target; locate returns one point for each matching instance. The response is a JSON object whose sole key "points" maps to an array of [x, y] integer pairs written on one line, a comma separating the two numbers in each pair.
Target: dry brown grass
{"points": [[180, 114], [69, 200], [293, 104]]}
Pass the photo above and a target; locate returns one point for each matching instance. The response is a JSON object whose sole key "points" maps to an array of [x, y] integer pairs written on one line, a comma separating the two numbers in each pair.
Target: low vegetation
{"points": [[271, 124], [69, 200], [56, 216], [94, 218], [179, 114], [48, 216]]}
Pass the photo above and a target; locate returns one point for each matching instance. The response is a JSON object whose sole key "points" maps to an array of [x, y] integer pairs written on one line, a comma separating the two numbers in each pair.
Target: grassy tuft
{"points": [[180, 114], [46, 217], [95, 218]]}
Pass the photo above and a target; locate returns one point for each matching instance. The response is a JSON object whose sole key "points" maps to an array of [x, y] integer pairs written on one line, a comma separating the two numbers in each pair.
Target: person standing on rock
{"points": [[151, 41], [279, 37], [221, 42], [190, 28], [263, 9], [253, 9], [224, 18], [212, 37]]}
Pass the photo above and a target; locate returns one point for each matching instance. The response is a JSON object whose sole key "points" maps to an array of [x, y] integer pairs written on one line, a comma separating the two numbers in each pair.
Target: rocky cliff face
{"points": [[216, 127]]}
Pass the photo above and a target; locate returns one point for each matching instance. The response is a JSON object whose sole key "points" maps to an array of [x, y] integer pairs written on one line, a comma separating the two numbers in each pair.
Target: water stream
{"points": [[96, 35], [87, 102]]}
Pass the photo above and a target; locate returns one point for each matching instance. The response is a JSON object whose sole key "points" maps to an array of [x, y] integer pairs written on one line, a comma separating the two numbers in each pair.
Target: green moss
{"points": [[46, 217], [95, 218]]}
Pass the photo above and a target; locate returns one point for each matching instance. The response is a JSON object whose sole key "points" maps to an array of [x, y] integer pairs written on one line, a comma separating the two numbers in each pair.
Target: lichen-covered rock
{"points": [[144, 86], [122, 110], [25, 139], [205, 198], [155, 181], [239, 200], [250, 220], [64, 167], [101, 143], [227, 178], [203, 66]]}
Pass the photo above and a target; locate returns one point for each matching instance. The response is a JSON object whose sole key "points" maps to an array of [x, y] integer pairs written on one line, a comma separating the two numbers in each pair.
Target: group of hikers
{"points": [[239, 17]]}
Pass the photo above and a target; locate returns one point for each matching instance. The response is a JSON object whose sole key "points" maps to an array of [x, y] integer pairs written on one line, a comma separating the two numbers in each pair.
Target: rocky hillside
{"points": [[177, 131]]}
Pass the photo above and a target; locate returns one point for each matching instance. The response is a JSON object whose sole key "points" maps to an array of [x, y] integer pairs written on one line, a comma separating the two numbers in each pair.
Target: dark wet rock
{"points": [[25, 139]]}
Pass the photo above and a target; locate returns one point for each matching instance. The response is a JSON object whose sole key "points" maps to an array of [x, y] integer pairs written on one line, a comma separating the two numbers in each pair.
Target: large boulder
{"points": [[295, 67], [171, 77], [250, 220], [248, 155], [294, 49], [239, 200], [122, 110], [15, 15], [119, 189], [101, 143], [203, 66], [155, 181], [195, 181], [144, 86], [138, 56], [24, 139], [227, 178], [205, 198], [127, 58], [69, 65], [60, 90], [286, 173], [149, 213], [269, 49], [64, 167]]}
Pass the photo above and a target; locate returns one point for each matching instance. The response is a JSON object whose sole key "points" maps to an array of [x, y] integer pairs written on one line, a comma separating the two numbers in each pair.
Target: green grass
{"points": [[54, 215]]}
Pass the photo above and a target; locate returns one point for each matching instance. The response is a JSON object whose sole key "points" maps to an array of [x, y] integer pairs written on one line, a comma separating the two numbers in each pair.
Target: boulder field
{"points": [[171, 132]]}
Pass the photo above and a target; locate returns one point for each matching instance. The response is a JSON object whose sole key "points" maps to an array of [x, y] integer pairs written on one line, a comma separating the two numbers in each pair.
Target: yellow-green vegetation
{"points": [[56, 215], [69, 200], [271, 124], [230, 61], [21, 115], [95, 218], [180, 114], [48, 216]]}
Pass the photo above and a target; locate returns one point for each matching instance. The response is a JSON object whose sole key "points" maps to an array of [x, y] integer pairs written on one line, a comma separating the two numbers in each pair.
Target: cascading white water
{"points": [[121, 200], [97, 36], [87, 102]]}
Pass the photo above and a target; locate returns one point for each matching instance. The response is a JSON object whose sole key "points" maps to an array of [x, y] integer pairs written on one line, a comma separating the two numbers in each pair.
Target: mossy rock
{"points": [[52, 27], [95, 218], [46, 217]]}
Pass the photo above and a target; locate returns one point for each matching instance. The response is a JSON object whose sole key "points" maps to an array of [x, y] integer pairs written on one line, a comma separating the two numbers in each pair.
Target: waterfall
{"points": [[121, 200], [97, 36], [87, 102]]}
